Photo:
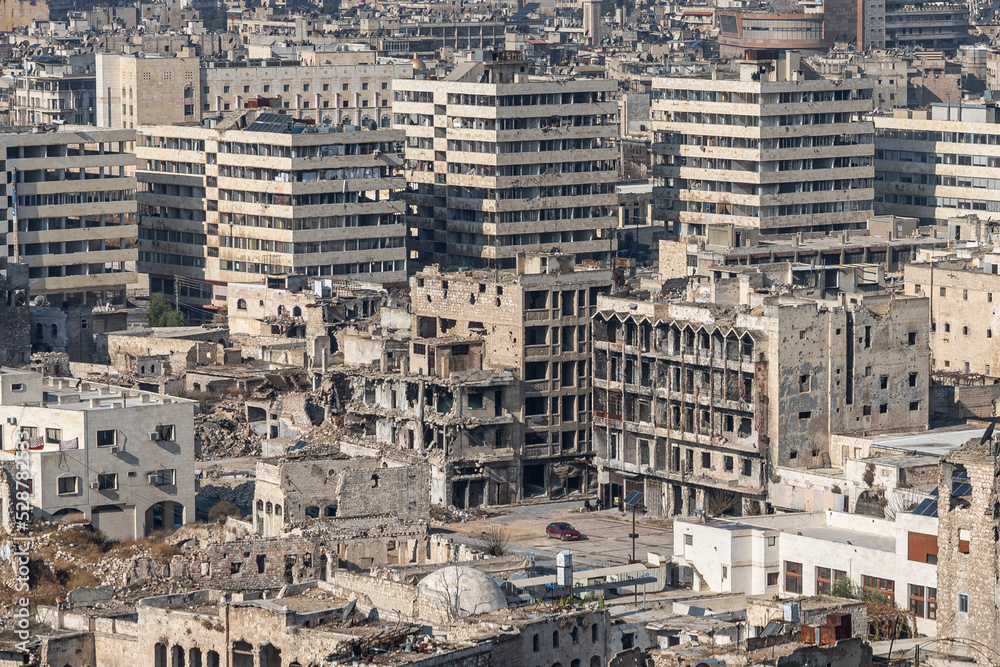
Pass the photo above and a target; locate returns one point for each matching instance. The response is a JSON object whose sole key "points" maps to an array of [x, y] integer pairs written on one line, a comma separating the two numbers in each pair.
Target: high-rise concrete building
{"points": [[501, 162], [939, 163], [772, 146], [259, 194], [70, 211], [592, 21]]}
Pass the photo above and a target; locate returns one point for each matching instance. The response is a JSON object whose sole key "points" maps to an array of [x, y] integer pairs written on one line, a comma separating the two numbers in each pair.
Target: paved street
{"points": [[607, 533]]}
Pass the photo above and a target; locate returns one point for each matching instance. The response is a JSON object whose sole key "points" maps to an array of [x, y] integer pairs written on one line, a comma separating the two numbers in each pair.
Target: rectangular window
{"points": [[824, 580], [917, 600], [344, 86], [943, 292], [688, 540], [246, 89], [805, 414], [793, 577], [162, 477], [772, 540], [326, 87], [772, 578], [225, 89], [963, 603], [165, 432], [706, 460], [68, 486], [267, 88], [475, 400], [107, 481], [107, 438], [53, 435], [284, 88], [911, 338], [885, 586], [931, 603]]}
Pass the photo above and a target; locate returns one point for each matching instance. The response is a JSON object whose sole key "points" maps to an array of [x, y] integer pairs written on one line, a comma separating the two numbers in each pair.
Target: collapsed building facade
{"points": [[463, 420], [536, 324], [698, 397]]}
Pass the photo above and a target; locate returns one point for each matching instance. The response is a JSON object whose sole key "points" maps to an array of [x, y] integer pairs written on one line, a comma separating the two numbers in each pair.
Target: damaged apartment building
{"points": [[449, 411], [295, 319], [536, 325], [699, 395]]}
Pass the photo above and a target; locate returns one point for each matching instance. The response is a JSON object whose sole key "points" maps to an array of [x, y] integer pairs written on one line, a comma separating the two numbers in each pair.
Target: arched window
{"points": [[281, 310], [39, 331], [555, 639], [277, 510], [241, 304], [260, 505], [296, 312], [312, 512], [189, 93], [575, 634], [534, 644], [130, 93], [385, 121], [593, 632], [55, 331], [269, 508]]}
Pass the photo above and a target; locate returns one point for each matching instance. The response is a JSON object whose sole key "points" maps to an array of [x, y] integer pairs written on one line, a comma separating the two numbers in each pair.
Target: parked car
{"points": [[563, 531]]}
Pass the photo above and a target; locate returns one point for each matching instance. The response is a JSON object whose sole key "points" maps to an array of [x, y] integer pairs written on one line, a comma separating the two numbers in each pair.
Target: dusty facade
{"points": [[465, 421], [968, 524], [15, 316], [773, 147], [537, 324], [500, 162], [963, 315], [291, 493], [73, 214], [705, 398], [283, 198]]}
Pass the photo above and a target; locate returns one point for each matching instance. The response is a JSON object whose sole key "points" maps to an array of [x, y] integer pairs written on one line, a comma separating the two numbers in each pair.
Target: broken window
{"points": [[476, 400]]}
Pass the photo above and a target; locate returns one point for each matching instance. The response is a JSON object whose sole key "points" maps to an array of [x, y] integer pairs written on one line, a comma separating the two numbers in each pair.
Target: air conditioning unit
{"points": [[95, 485], [114, 450], [154, 435], [12, 421], [153, 478]]}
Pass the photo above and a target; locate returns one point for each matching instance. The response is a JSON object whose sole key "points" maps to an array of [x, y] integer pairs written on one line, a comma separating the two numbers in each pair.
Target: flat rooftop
{"points": [[855, 538], [936, 442]]}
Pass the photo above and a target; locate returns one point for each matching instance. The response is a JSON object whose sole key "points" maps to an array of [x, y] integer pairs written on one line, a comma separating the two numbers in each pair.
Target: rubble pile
{"points": [[240, 494], [452, 514], [221, 431]]}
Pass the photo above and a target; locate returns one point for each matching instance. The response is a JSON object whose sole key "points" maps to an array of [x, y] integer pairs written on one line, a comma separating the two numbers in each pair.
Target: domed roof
{"points": [[417, 63], [466, 589]]}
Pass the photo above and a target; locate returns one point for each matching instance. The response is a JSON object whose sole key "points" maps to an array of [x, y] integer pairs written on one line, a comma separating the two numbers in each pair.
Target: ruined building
{"points": [[968, 548], [536, 323], [15, 318], [696, 400], [501, 162], [465, 421], [770, 146]]}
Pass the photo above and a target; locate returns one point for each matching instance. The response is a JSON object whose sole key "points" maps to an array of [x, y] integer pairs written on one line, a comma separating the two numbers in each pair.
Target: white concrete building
{"points": [[772, 146], [120, 458], [805, 554]]}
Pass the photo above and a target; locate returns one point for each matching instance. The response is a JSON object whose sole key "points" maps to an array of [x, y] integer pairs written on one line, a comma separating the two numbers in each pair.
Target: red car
{"points": [[563, 531]]}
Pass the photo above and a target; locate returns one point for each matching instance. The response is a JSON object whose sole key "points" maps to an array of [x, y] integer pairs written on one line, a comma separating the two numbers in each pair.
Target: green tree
{"points": [[159, 313]]}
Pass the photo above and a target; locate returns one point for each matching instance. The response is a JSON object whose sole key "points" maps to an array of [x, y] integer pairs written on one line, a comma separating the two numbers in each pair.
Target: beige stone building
{"points": [[501, 162], [70, 211], [338, 88], [698, 397], [16, 14], [54, 89], [537, 324], [938, 163], [147, 90], [771, 146], [260, 195], [963, 318], [121, 458]]}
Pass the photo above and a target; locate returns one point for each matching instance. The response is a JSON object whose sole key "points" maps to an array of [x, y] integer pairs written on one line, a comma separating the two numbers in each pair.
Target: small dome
{"points": [[417, 63], [471, 591]]}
